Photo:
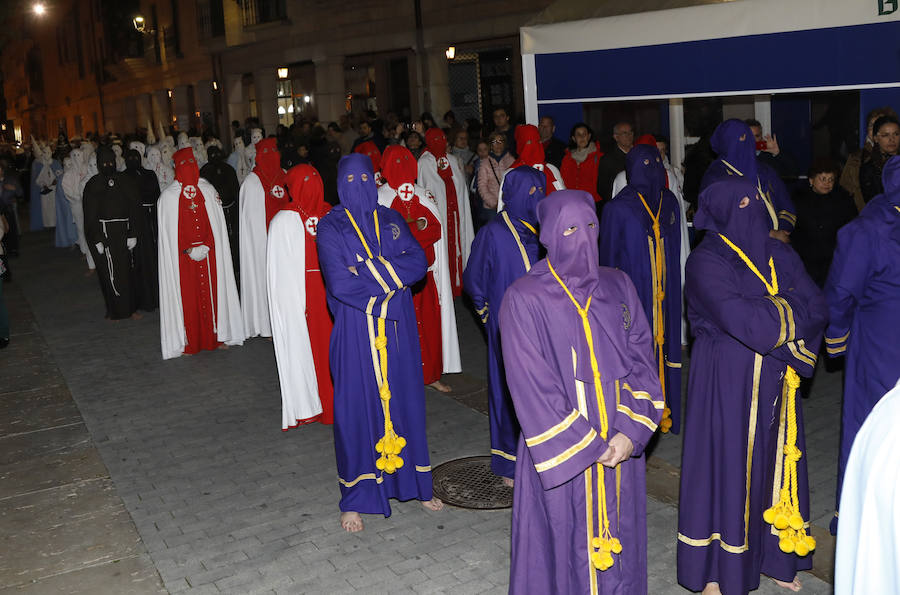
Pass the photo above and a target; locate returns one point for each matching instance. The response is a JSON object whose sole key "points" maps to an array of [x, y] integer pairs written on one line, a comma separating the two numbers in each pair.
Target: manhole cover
{"points": [[470, 483]]}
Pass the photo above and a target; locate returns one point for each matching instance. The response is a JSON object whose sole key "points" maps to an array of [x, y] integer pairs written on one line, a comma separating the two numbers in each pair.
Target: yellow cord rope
{"points": [[605, 542], [388, 446], [784, 514], [659, 294]]}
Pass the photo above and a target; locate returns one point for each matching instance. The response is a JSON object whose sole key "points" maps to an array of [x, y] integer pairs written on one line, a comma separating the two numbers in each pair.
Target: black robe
{"points": [[146, 272], [224, 179], [112, 216]]}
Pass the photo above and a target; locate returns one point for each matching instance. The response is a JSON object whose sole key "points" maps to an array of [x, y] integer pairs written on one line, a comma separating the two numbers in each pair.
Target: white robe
{"points": [[47, 179], [429, 178], [73, 181], [286, 283], [252, 236], [229, 326], [440, 270], [675, 186], [867, 559]]}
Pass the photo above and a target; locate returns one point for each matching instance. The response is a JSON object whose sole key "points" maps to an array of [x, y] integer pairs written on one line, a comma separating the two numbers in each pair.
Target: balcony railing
{"points": [[255, 12]]}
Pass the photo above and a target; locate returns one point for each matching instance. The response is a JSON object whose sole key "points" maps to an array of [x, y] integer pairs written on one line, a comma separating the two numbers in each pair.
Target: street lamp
{"points": [[39, 9], [451, 52], [283, 72], [139, 23]]}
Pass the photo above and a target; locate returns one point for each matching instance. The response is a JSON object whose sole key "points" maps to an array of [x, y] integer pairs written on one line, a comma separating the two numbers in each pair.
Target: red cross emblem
{"points": [[312, 224], [379, 180], [443, 163], [406, 191], [278, 192], [190, 192]]}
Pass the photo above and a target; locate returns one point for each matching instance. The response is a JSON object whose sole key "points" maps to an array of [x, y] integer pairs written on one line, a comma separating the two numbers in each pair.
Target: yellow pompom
{"points": [[667, 412], [389, 467], [595, 542], [401, 441], [665, 425], [800, 548], [607, 560], [769, 516], [616, 546], [398, 462], [786, 545], [597, 560], [379, 464], [380, 342], [781, 522], [379, 447], [796, 522]]}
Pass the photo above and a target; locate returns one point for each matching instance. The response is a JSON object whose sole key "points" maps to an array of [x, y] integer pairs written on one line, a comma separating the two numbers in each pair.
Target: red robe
{"points": [[318, 320], [198, 279], [425, 294]]}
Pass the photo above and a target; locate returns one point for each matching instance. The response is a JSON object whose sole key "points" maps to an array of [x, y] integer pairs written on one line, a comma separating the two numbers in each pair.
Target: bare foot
{"points": [[711, 589], [433, 505], [508, 481], [223, 346], [794, 585], [440, 387], [137, 316], [351, 521]]}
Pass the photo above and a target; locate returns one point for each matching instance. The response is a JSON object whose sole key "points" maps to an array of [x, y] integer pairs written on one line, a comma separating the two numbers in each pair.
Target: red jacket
{"points": [[582, 176]]}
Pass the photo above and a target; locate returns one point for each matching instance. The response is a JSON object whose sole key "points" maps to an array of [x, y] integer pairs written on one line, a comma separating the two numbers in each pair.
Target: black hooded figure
{"points": [[223, 178], [145, 274], [111, 216]]}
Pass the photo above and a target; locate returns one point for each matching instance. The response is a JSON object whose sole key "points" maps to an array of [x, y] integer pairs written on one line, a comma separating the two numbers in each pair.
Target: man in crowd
{"points": [[503, 126], [554, 149], [768, 151], [613, 161]]}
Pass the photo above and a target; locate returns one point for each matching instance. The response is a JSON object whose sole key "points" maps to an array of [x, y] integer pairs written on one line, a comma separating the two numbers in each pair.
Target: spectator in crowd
{"points": [[474, 128], [822, 208], [503, 125], [480, 214], [771, 155], [427, 121], [491, 171], [459, 146], [554, 149], [451, 126], [581, 162], [886, 134], [850, 173], [415, 142], [10, 193], [336, 135], [4, 314], [368, 133], [324, 154], [613, 162]]}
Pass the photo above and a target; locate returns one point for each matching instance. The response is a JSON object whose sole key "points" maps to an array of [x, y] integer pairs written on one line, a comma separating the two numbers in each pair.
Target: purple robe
{"points": [[504, 250], [863, 293], [735, 145], [734, 429], [627, 242], [551, 380], [379, 290]]}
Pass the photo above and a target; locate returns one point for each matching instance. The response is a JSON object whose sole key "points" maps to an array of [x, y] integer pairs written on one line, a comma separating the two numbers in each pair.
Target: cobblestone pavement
{"points": [[224, 501]]}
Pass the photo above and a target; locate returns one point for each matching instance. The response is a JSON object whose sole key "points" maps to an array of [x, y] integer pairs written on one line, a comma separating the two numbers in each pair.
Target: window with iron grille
{"points": [[255, 12]]}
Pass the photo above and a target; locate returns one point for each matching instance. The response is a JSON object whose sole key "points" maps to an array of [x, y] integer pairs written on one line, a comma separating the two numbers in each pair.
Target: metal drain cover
{"points": [[470, 483]]}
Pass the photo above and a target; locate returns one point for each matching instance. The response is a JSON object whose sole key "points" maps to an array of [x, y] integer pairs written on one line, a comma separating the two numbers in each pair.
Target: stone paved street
{"points": [[223, 501]]}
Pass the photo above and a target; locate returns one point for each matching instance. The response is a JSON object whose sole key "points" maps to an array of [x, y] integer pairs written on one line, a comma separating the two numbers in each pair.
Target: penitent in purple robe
{"points": [[734, 431], [628, 243], [504, 250], [735, 145], [378, 290], [551, 380], [863, 293]]}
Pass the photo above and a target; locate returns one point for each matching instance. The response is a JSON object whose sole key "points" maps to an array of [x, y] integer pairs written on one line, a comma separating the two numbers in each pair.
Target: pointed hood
{"points": [[734, 142], [133, 160], [186, 170], [306, 194], [268, 164], [574, 256], [720, 212], [646, 173], [436, 142], [528, 146], [523, 188], [357, 190], [370, 149], [398, 166], [106, 162]]}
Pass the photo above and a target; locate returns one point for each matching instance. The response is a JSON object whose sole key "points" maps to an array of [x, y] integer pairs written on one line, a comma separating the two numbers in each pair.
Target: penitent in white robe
{"points": [[229, 324], [252, 236], [286, 285], [867, 559], [440, 270]]}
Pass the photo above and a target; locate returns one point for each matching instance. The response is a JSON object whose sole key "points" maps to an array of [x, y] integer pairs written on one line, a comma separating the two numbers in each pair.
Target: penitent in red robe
{"points": [[197, 279]]}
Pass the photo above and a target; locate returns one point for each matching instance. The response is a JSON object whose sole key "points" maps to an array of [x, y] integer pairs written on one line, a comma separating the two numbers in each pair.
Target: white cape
{"points": [[229, 326], [252, 236], [558, 183], [429, 178], [440, 270], [286, 281], [867, 559], [675, 186]]}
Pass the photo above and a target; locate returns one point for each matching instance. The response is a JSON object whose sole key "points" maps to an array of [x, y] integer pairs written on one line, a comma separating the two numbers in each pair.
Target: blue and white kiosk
{"points": [[708, 48]]}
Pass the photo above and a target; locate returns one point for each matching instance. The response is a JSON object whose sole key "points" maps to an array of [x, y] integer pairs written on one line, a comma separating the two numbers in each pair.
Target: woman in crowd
{"points": [[850, 174], [886, 134], [582, 158], [491, 170]]}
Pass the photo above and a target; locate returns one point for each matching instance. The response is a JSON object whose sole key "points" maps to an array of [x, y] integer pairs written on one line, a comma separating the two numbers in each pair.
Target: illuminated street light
{"points": [[283, 72], [139, 23], [39, 9], [451, 52]]}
